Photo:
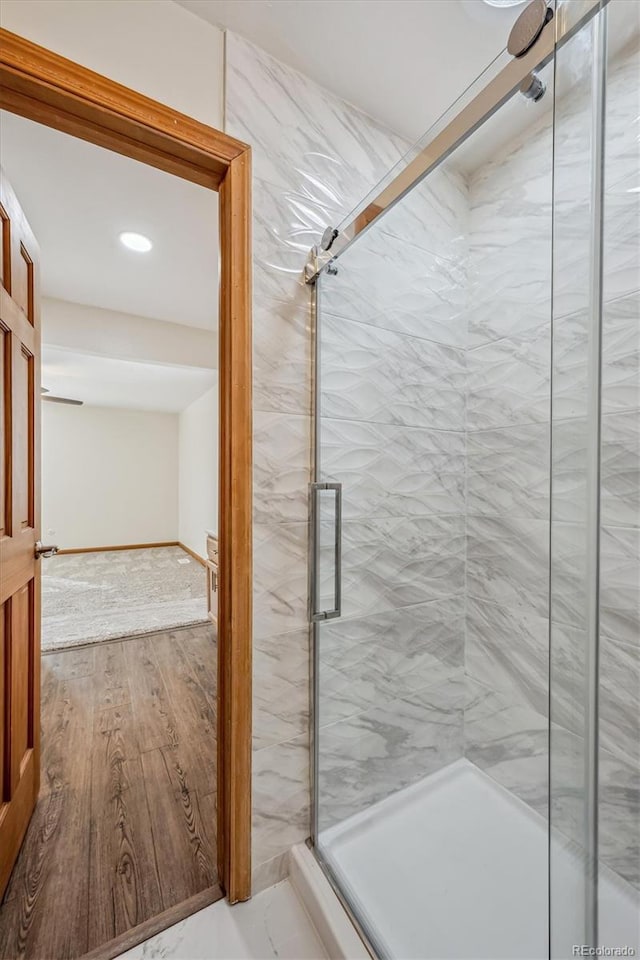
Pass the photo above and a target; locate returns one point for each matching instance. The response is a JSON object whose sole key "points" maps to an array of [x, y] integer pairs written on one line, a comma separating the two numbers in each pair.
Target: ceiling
{"points": [[79, 197], [107, 382], [403, 62]]}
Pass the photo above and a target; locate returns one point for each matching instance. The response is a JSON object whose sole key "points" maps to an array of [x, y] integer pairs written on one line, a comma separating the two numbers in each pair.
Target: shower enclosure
{"points": [[476, 517]]}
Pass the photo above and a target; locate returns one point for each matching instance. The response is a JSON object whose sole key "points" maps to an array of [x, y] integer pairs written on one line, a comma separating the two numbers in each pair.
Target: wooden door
{"points": [[19, 529]]}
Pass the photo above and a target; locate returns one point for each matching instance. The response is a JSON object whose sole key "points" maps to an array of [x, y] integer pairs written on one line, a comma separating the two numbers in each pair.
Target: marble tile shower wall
{"points": [[314, 158], [446, 485], [392, 432], [507, 448], [507, 642]]}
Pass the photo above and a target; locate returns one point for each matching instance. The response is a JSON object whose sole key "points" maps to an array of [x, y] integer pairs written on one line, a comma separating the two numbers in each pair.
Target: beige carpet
{"points": [[90, 597]]}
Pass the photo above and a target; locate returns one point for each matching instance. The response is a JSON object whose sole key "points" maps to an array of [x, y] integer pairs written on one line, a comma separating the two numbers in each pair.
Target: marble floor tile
{"points": [[377, 375], [508, 471], [274, 924], [508, 381], [507, 563]]}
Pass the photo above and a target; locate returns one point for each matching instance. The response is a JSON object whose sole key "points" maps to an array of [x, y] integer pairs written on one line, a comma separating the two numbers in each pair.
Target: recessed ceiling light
{"points": [[136, 241], [504, 3]]}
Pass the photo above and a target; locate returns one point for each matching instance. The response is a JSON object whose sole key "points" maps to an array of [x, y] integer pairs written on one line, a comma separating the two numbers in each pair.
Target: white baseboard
{"points": [[338, 935]]}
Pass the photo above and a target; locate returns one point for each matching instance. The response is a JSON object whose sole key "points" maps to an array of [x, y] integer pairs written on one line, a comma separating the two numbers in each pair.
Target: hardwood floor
{"points": [[125, 823]]}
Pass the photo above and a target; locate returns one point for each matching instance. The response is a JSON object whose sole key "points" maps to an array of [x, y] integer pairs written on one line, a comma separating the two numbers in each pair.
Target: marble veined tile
{"points": [[619, 579], [569, 550], [510, 238], [280, 578], [286, 225], [271, 925], [372, 755], [619, 466], [367, 661], [619, 700], [392, 284], [620, 360], [621, 354], [569, 473], [389, 470], [509, 281], [508, 381], [282, 354], [507, 563], [510, 743], [572, 248], [281, 797], [281, 458], [508, 652], [619, 704], [619, 816], [517, 177], [622, 150], [568, 773], [372, 374], [620, 469], [621, 238], [280, 688], [620, 583], [395, 562], [508, 471], [434, 214], [323, 144]]}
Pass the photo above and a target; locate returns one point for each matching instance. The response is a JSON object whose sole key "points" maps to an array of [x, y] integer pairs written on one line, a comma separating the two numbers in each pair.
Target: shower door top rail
{"points": [[444, 137]]}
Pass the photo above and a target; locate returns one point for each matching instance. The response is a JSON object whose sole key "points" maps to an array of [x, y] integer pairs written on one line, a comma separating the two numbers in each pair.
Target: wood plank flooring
{"points": [[125, 823]]}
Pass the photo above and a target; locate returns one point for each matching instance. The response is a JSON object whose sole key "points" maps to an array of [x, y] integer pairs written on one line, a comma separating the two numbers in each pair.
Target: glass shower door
{"points": [[433, 333], [475, 573]]}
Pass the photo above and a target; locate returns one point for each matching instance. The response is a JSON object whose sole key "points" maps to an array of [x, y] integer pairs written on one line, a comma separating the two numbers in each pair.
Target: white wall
{"points": [[122, 336], [198, 471], [153, 46], [109, 476]]}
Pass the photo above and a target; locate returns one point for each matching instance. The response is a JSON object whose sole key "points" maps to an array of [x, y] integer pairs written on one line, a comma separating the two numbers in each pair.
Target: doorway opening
{"points": [[141, 670]]}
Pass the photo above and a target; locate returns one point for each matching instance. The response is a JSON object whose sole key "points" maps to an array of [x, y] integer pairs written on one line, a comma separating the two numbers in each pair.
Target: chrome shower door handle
{"points": [[317, 489]]}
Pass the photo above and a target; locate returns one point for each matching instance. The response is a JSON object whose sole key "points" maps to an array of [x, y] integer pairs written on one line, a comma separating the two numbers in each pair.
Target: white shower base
{"points": [[456, 867]]}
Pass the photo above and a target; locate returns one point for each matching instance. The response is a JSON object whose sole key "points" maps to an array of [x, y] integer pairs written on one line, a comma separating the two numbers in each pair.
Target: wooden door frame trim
{"points": [[43, 86]]}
